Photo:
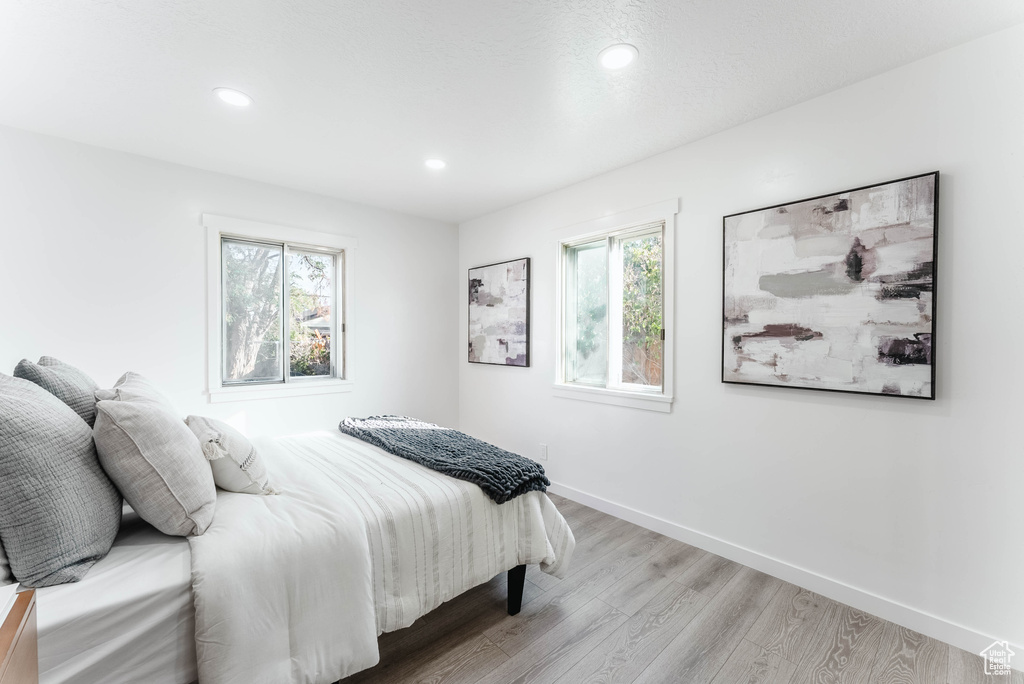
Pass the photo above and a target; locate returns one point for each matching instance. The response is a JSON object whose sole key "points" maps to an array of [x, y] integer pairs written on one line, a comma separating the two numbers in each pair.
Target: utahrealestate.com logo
{"points": [[997, 658]]}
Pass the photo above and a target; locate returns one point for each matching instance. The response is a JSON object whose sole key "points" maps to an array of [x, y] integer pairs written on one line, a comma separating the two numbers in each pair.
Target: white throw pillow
{"points": [[157, 463], [236, 465], [134, 387]]}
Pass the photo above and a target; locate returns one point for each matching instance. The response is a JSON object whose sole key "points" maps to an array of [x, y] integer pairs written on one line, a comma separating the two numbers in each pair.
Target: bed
{"points": [[130, 620], [429, 538]]}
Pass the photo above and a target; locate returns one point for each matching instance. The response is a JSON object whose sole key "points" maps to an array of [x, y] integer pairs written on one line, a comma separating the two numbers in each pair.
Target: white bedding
{"points": [[129, 620], [424, 538], [282, 583], [433, 537]]}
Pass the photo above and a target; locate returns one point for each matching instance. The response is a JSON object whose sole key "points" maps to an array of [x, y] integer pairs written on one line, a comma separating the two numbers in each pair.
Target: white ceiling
{"points": [[351, 97]]}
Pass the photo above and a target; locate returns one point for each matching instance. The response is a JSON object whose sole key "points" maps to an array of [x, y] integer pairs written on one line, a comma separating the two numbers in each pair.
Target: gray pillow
{"points": [[59, 513], [156, 462], [134, 387], [237, 466], [64, 381]]}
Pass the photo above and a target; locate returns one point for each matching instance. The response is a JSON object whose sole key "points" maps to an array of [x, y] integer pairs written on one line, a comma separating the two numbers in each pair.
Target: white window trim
{"points": [[664, 212], [218, 227]]}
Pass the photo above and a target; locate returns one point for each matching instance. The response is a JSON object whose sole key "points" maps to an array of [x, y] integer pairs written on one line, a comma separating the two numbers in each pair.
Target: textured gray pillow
{"points": [[64, 381], [156, 462], [134, 387], [59, 513], [237, 466]]}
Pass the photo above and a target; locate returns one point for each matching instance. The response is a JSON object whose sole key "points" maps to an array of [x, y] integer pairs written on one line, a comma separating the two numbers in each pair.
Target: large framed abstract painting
{"points": [[835, 292], [499, 313]]}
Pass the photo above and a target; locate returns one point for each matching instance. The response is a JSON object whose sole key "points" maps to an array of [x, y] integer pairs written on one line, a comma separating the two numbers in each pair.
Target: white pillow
{"points": [[157, 463], [236, 465], [134, 387]]}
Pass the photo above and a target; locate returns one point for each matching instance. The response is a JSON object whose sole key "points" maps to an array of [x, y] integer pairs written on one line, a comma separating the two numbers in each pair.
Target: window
{"points": [[615, 296], [614, 334], [277, 310]]}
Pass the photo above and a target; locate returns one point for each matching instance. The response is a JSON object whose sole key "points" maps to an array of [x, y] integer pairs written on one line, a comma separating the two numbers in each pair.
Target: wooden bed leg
{"points": [[516, 581]]}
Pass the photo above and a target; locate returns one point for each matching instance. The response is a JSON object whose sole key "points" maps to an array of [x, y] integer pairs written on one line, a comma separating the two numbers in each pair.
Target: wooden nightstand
{"points": [[18, 642]]}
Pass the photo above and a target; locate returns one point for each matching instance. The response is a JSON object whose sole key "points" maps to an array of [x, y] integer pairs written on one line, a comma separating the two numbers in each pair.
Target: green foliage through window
{"points": [[616, 275], [641, 311], [310, 323], [253, 280]]}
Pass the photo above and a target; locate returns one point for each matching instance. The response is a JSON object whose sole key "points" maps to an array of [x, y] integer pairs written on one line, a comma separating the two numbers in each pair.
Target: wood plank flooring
{"points": [[637, 606]]}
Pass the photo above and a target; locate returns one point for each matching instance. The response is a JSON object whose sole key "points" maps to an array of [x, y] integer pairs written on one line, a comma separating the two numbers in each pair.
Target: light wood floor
{"points": [[640, 607]]}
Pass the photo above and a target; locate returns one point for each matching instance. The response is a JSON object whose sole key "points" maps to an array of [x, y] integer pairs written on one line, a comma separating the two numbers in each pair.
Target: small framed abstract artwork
{"points": [[499, 313], [835, 292]]}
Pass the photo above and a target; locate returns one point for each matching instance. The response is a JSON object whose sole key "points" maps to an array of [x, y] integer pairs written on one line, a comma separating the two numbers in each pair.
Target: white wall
{"points": [[911, 509], [102, 264]]}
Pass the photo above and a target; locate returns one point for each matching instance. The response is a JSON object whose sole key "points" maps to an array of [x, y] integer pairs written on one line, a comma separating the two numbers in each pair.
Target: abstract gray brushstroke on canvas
{"points": [[834, 293], [499, 320]]}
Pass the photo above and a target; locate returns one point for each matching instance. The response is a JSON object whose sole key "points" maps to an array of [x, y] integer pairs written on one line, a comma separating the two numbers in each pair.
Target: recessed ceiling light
{"points": [[618, 56], [436, 164], [233, 97]]}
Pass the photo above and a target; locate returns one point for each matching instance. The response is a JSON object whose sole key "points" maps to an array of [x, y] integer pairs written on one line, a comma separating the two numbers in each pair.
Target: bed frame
{"points": [[516, 582]]}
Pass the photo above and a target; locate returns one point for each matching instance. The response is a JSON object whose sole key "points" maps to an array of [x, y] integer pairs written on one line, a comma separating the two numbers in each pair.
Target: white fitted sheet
{"points": [[130, 620]]}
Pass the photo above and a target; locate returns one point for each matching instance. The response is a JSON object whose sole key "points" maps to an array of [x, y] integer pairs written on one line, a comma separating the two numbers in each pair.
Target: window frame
{"points": [[290, 239], [614, 229]]}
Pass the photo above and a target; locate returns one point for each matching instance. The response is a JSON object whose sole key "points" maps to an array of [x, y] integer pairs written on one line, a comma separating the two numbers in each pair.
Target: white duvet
{"points": [[282, 584], [291, 588], [432, 537], [295, 588]]}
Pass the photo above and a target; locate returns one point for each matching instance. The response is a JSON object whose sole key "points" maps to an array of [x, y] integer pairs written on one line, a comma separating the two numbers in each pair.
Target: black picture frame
{"points": [[819, 319], [499, 313]]}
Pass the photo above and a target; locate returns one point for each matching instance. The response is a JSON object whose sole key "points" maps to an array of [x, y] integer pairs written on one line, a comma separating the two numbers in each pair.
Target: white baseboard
{"points": [[893, 611]]}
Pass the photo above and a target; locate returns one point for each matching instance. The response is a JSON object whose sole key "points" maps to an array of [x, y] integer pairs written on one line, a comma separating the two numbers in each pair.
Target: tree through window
{"points": [[277, 305]]}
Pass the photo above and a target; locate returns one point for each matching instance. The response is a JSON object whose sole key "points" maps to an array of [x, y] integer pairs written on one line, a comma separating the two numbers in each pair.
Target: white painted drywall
{"points": [[918, 503], [102, 264]]}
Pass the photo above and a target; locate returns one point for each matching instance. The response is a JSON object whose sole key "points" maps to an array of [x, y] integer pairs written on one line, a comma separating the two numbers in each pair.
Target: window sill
{"points": [[221, 395], [600, 395]]}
